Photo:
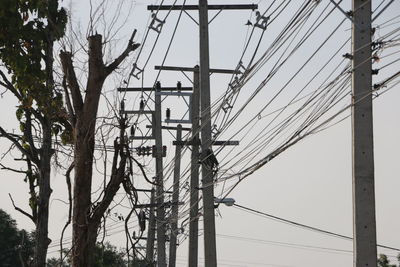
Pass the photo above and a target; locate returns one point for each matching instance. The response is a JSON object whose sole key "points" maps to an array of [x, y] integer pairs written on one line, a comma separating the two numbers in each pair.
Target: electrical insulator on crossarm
{"points": [[179, 86], [122, 106], [142, 220], [164, 151], [141, 105], [144, 150], [133, 130], [168, 114], [134, 235]]}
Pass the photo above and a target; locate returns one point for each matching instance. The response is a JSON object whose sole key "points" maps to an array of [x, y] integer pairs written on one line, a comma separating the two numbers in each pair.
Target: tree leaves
{"points": [[26, 29]]}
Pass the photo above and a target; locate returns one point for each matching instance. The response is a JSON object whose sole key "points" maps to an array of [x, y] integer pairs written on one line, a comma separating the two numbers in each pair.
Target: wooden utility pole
{"points": [[210, 246], [161, 259], [175, 199], [364, 225], [194, 174]]}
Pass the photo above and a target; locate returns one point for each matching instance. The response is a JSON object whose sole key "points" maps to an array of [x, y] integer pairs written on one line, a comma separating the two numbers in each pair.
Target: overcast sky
{"points": [[309, 183]]}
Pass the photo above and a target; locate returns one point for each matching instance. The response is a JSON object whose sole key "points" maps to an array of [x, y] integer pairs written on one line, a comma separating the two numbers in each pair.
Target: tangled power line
{"points": [[316, 102]]}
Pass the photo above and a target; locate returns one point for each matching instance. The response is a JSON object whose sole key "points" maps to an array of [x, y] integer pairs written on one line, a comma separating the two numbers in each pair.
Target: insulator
{"points": [[142, 220], [179, 86], [348, 55], [133, 130], [164, 151], [122, 105], [141, 104], [134, 235], [168, 114]]}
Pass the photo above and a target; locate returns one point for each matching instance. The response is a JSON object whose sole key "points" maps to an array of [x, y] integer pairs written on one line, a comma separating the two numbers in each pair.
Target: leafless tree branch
{"points": [[143, 171], [21, 210], [132, 46], [7, 84], [3, 133], [3, 167], [117, 176], [70, 109], [69, 72]]}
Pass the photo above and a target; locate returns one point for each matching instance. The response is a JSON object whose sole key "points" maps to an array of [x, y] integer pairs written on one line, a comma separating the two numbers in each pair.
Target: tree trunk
{"points": [[46, 151], [42, 223], [84, 237], [87, 218], [84, 146]]}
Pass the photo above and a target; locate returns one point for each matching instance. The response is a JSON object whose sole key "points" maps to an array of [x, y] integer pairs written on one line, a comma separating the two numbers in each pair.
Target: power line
{"points": [[304, 226], [286, 244]]}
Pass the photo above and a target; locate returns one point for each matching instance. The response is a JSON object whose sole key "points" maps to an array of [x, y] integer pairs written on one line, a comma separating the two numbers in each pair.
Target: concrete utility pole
{"points": [[175, 199], [194, 174], [161, 258], [157, 193], [210, 246], [210, 250], [151, 230], [195, 156], [364, 228]]}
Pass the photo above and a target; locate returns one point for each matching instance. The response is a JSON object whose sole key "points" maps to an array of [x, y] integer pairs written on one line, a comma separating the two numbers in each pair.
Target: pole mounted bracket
{"points": [[261, 21], [156, 24], [136, 71]]}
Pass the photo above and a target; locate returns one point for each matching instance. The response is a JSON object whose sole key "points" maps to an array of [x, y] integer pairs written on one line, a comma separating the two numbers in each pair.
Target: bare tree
{"points": [[83, 109]]}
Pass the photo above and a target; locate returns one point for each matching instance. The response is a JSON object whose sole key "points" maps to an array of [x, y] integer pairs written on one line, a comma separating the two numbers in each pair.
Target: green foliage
{"points": [[104, 256], [108, 256], [19, 113], [54, 262], [66, 136], [383, 261], [28, 30], [14, 244], [27, 34]]}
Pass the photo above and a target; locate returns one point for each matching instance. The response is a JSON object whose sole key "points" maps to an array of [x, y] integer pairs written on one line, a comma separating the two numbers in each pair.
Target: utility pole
{"points": [[210, 249], [194, 174], [364, 225], [151, 230], [210, 245], [195, 156], [161, 259], [157, 193], [206, 142], [175, 199]]}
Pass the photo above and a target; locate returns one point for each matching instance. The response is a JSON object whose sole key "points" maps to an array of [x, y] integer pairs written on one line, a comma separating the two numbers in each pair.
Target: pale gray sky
{"points": [[309, 183]]}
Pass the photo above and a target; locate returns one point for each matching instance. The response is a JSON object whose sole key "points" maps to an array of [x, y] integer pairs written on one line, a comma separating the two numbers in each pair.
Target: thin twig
{"points": [[11, 169]]}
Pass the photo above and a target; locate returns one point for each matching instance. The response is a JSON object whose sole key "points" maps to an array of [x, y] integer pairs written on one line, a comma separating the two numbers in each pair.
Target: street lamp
{"points": [[227, 201]]}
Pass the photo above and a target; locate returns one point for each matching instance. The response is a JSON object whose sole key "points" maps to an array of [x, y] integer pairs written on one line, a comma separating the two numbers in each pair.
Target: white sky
{"points": [[310, 183]]}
